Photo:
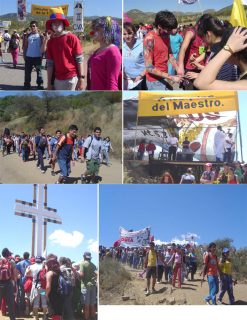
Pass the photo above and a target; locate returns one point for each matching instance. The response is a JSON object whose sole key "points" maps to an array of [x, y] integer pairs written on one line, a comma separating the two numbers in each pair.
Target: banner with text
{"points": [[21, 10], [140, 238], [44, 11], [158, 104], [78, 25]]}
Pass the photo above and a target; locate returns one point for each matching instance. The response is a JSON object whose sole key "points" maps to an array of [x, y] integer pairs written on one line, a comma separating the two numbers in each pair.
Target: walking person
{"points": [[52, 144], [151, 265], [93, 149], [33, 56], [211, 270], [14, 45], [226, 282], [40, 144], [106, 148]]}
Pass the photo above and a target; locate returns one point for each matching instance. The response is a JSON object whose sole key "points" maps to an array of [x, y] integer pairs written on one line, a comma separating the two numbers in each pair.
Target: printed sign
{"points": [[140, 238], [21, 10], [78, 25], [44, 11]]}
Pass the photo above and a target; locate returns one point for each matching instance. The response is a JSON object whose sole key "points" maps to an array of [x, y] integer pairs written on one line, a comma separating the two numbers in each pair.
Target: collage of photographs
{"points": [[102, 103]]}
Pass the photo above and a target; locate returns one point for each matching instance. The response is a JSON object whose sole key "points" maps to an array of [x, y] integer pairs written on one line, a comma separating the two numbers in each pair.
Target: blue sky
{"points": [[37, 93], [91, 7], [75, 204], [212, 212], [242, 98], [157, 5]]}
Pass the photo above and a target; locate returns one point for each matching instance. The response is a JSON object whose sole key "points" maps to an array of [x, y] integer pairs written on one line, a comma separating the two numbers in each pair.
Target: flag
{"points": [[187, 1], [21, 10], [238, 15]]}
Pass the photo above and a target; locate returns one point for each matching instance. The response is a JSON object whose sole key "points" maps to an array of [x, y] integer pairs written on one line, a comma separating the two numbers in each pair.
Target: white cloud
{"points": [[93, 245], [66, 239]]}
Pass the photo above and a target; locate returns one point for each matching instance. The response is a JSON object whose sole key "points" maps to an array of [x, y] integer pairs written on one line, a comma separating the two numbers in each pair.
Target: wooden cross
{"points": [[40, 215]]}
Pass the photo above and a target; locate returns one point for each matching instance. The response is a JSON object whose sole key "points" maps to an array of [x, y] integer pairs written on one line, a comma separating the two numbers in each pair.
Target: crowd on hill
{"points": [[58, 287], [62, 148], [174, 264]]}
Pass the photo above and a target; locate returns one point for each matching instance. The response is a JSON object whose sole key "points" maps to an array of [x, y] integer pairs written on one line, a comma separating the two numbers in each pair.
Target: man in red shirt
{"points": [[157, 53], [64, 54]]}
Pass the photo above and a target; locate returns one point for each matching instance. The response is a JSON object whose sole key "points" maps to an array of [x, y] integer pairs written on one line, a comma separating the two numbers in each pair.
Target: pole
{"points": [[45, 198], [33, 236], [240, 136], [45, 233], [35, 193]]}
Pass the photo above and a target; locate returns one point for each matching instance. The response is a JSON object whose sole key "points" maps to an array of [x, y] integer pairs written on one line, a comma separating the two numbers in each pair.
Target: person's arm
{"points": [[187, 39], [43, 48], [58, 146], [113, 67], [181, 181], [207, 78], [49, 276], [148, 59], [78, 56], [50, 69]]}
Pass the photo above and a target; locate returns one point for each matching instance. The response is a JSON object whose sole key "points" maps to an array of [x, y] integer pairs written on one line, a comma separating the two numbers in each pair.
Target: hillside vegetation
{"points": [[182, 17], [53, 111]]}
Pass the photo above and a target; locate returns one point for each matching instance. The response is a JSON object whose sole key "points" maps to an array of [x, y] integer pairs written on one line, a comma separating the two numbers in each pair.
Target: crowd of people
{"points": [[209, 54], [64, 56], [174, 264], [62, 148], [61, 288]]}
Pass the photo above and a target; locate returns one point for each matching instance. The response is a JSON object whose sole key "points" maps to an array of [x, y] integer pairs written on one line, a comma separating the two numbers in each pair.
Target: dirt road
{"points": [[192, 293], [14, 170]]}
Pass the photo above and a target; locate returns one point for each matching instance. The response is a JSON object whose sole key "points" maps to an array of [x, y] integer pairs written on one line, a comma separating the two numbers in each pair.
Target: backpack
{"points": [[13, 44], [86, 149], [62, 288], [41, 142], [41, 279], [28, 284], [69, 277], [5, 270]]}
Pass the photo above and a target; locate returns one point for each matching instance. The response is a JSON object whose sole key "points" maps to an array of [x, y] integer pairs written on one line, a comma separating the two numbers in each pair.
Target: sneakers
{"points": [[53, 173], [147, 293], [40, 87], [153, 290], [42, 171], [219, 301]]}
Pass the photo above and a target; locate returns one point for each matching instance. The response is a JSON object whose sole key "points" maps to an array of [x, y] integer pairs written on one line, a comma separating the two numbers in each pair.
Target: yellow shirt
{"points": [[152, 258], [226, 267]]}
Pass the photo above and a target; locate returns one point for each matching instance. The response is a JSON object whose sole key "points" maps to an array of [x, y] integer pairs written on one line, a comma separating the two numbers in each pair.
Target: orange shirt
{"points": [[211, 261]]}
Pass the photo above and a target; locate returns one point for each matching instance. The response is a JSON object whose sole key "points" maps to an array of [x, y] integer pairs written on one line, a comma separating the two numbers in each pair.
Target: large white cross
{"points": [[40, 215]]}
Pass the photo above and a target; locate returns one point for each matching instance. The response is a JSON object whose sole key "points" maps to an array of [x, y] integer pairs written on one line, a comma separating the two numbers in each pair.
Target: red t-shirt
{"points": [[193, 48], [62, 51], [212, 264], [159, 54]]}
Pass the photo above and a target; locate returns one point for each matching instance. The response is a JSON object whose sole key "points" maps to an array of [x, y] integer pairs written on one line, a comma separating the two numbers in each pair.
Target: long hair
{"points": [[111, 29]]}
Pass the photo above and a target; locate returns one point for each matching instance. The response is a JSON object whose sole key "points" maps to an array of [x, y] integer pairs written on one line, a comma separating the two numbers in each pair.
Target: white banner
{"points": [[21, 10], [78, 25], [140, 238]]}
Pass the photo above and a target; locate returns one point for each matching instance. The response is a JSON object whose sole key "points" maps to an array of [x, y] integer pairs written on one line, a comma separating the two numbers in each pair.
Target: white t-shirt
{"points": [[173, 141], [35, 268]]}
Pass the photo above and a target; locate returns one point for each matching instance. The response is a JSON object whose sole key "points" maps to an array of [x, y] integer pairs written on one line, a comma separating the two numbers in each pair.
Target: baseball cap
{"points": [[87, 255], [39, 259], [225, 250]]}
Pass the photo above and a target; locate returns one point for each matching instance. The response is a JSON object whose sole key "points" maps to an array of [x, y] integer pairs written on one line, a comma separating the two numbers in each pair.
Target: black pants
{"points": [[172, 153], [29, 64], [7, 291], [40, 158], [160, 273]]}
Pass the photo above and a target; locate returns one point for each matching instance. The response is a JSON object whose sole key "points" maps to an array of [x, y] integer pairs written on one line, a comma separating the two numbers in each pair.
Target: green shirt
{"points": [[89, 277]]}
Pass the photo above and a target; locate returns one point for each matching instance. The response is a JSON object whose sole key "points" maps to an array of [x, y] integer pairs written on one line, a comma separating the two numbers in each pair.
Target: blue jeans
{"points": [[106, 155], [64, 165], [226, 285], [213, 284], [157, 85]]}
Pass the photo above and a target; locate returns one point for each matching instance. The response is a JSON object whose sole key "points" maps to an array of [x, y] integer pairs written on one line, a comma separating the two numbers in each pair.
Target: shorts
{"points": [[89, 295], [64, 165], [92, 167], [68, 84], [42, 296], [151, 272]]}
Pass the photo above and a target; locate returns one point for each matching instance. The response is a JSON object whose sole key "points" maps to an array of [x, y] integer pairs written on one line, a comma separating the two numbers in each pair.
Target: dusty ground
{"points": [[192, 293], [14, 170]]}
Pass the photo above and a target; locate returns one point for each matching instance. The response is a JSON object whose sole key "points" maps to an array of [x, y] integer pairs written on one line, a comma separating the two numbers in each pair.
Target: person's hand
{"points": [[180, 71], [176, 79], [79, 85], [192, 57], [237, 40], [138, 78], [191, 75]]}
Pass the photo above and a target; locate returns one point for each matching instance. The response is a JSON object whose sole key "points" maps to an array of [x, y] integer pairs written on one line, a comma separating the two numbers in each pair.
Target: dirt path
{"points": [[14, 170], [191, 293], [13, 79]]}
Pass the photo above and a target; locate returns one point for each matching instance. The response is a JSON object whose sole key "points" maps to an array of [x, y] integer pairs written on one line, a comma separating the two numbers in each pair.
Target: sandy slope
{"points": [[13, 170], [191, 293]]}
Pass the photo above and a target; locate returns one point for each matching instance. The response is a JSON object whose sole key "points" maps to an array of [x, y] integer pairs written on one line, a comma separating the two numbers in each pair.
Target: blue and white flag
{"points": [[187, 1]]}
